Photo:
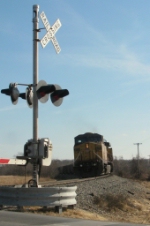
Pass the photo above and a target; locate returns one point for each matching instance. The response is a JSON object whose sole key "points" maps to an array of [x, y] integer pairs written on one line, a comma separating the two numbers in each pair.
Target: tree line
{"points": [[133, 169]]}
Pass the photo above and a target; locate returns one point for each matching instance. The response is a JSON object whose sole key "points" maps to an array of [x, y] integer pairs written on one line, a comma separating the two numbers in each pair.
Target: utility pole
{"points": [[138, 153], [149, 159]]}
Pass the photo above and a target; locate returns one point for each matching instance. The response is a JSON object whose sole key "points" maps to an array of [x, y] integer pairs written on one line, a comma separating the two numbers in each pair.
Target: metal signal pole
{"points": [[35, 100]]}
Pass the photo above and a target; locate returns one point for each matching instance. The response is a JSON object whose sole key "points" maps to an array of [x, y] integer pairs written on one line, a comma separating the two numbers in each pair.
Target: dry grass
{"points": [[73, 213], [139, 213], [121, 208], [111, 202], [15, 180]]}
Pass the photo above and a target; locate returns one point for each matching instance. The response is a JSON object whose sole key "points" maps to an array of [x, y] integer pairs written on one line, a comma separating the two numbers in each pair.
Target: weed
{"points": [[112, 202]]}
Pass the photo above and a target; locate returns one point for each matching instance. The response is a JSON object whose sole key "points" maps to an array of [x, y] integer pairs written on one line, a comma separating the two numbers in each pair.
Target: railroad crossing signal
{"points": [[50, 33], [38, 91], [56, 93], [13, 92], [42, 92]]}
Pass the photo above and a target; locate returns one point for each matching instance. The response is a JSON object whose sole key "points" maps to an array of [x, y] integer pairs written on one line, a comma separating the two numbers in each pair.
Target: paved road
{"points": [[26, 219]]}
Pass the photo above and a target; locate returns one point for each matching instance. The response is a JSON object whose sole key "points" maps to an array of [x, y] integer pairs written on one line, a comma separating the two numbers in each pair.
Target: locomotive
{"points": [[93, 155]]}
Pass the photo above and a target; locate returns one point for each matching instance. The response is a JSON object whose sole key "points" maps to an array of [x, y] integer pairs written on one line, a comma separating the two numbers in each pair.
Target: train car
{"points": [[93, 155]]}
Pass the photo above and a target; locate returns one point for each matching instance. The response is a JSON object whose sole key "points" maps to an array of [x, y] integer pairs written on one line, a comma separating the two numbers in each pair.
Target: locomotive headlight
{"points": [[87, 145]]}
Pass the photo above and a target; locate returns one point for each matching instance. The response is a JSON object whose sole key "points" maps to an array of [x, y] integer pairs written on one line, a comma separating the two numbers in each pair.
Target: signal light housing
{"points": [[43, 90], [28, 96], [42, 96], [55, 91], [22, 95], [13, 92], [57, 96]]}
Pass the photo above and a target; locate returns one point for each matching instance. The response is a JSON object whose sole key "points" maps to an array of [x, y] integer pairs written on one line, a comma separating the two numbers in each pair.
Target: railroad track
{"points": [[71, 181], [64, 182]]}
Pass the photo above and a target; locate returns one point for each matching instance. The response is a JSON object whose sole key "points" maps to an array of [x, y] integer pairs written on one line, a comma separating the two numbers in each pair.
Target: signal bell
{"points": [[13, 92]]}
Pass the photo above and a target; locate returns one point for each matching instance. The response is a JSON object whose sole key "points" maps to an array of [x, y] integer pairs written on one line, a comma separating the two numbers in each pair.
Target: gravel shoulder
{"points": [[116, 199]]}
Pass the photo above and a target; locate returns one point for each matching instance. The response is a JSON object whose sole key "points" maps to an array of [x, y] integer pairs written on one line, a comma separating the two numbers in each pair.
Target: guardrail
{"points": [[49, 196]]}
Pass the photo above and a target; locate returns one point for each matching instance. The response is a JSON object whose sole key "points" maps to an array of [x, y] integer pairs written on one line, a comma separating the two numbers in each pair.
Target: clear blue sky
{"points": [[104, 63]]}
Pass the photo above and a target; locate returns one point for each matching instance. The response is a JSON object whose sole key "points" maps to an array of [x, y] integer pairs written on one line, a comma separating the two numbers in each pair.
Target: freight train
{"points": [[93, 156]]}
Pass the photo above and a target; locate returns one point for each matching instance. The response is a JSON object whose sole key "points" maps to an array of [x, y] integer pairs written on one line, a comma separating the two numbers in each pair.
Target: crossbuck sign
{"points": [[50, 35]]}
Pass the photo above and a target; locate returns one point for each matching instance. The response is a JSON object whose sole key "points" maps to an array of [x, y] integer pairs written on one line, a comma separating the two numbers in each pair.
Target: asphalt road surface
{"points": [[26, 219]]}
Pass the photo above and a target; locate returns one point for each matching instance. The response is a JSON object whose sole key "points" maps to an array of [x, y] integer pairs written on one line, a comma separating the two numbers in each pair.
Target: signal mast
{"points": [[38, 151]]}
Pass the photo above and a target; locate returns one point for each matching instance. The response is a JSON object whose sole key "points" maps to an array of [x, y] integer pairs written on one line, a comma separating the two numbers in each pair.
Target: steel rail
{"points": [[71, 181]]}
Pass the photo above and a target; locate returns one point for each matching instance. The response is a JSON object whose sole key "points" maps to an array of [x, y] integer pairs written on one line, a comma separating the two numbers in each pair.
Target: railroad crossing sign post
{"points": [[35, 81], [50, 36], [37, 151]]}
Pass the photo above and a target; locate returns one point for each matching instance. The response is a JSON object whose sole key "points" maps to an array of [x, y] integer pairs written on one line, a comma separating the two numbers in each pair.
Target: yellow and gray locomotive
{"points": [[93, 155]]}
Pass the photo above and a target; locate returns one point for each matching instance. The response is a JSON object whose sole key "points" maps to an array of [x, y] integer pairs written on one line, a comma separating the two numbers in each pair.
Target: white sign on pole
{"points": [[51, 31], [56, 45], [45, 21]]}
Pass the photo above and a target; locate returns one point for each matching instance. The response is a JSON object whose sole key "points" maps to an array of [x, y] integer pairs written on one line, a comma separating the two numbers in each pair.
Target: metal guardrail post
{"points": [[58, 209]]}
